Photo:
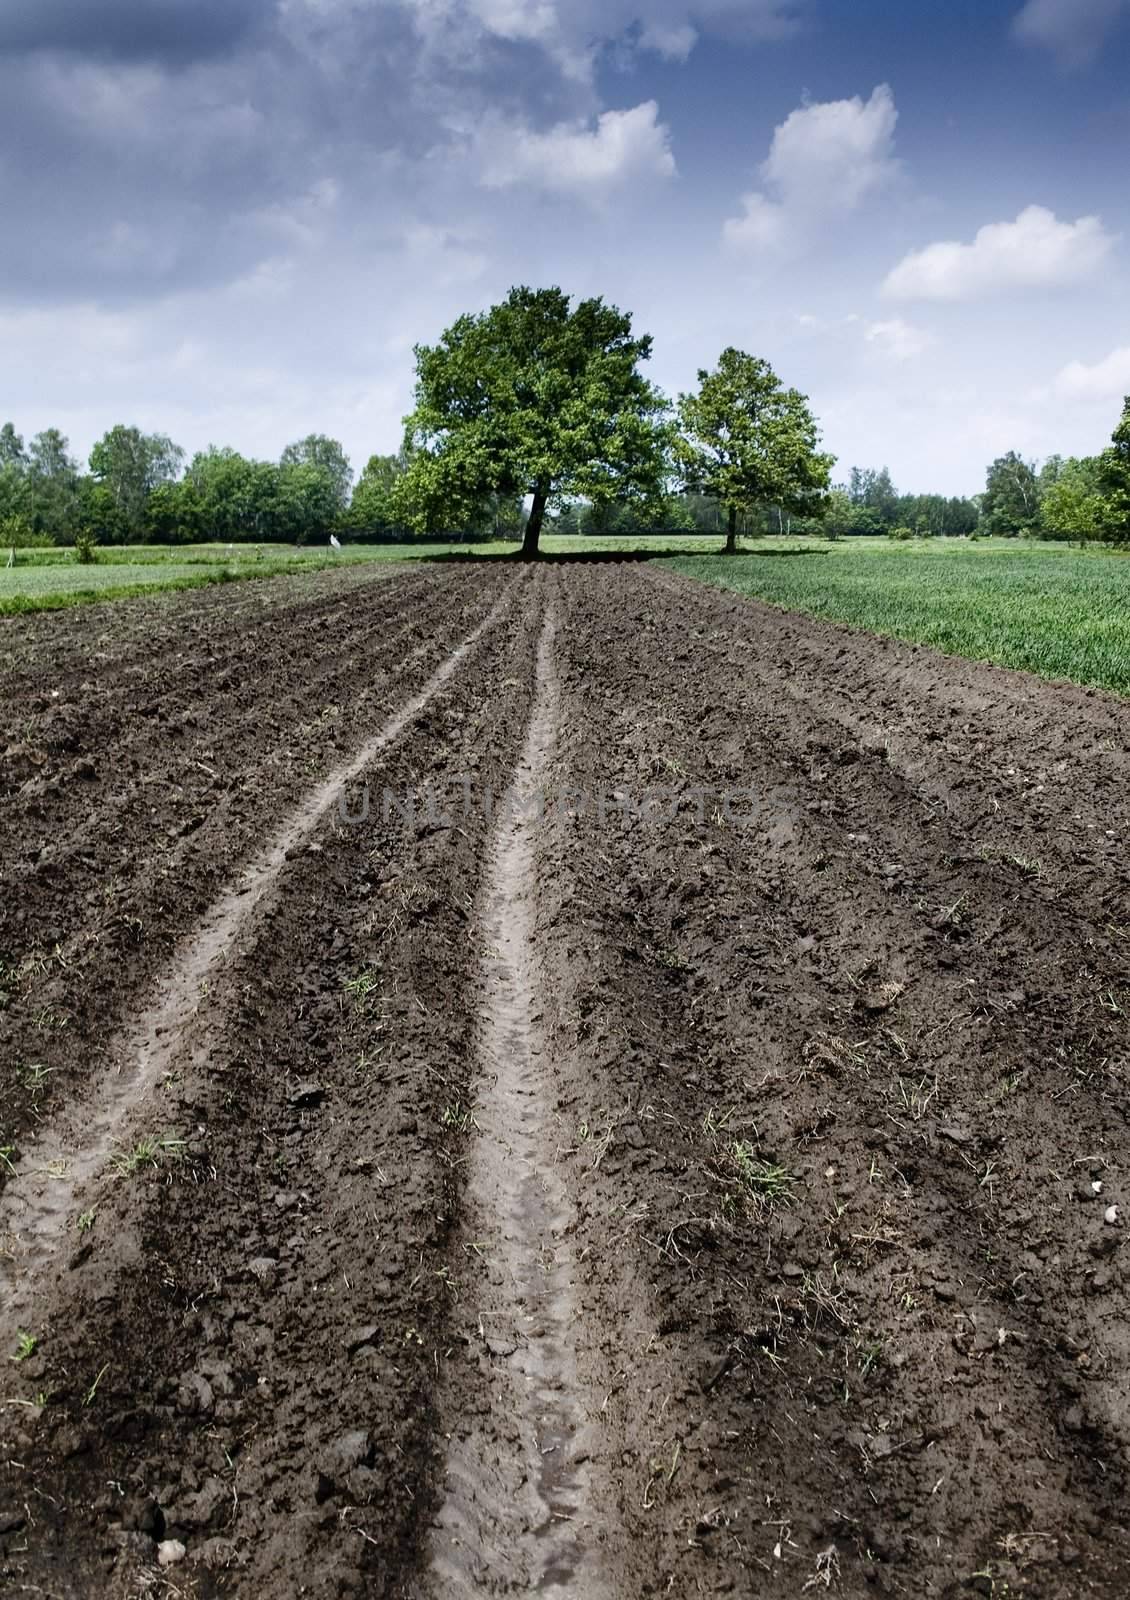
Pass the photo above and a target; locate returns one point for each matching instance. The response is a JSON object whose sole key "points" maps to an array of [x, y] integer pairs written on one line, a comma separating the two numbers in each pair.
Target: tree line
{"points": [[536, 413]]}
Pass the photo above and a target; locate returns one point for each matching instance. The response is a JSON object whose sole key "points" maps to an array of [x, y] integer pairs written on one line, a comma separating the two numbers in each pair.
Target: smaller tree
{"points": [[173, 514], [1073, 505], [374, 511], [328, 456], [131, 464], [1010, 505], [52, 485], [12, 452], [840, 514], [98, 518], [746, 440], [305, 504], [1114, 475]]}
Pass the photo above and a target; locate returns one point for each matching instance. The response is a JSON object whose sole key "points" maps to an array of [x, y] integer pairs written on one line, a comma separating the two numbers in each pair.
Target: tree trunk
{"points": [[732, 533], [533, 524]]}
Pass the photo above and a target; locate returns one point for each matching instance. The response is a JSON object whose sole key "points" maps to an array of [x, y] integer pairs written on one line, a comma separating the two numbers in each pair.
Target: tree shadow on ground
{"points": [[597, 557]]}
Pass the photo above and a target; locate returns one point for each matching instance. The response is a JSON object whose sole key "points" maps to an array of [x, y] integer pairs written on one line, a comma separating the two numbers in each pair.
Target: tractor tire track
{"points": [[518, 1510]]}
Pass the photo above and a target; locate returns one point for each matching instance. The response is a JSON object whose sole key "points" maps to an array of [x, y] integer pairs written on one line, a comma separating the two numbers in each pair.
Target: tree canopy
{"points": [[1114, 475], [131, 464], [327, 455], [534, 398], [1011, 502], [747, 440]]}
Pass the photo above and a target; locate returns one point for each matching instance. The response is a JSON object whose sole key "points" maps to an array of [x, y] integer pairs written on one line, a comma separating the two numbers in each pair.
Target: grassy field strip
{"points": [[1045, 608], [48, 579]]}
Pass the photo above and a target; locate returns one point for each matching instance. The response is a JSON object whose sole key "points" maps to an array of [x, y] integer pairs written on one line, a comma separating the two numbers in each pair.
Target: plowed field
{"points": [[556, 1081]]}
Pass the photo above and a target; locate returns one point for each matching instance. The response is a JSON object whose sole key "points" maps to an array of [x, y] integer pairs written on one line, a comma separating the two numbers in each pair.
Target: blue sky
{"points": [[231, 221]]}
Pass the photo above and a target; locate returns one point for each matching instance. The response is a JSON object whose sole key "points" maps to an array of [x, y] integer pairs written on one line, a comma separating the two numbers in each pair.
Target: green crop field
{"points": [[1048, 608], [45, 580]]}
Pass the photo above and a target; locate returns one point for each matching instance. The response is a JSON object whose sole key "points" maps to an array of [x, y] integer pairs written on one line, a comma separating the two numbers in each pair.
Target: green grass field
{"points": [[1047, 608], [45, 580]]}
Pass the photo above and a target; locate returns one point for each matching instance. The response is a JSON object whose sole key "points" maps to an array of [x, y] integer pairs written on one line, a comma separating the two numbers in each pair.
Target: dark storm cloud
{"points": [[148, 146], [170, 31]]}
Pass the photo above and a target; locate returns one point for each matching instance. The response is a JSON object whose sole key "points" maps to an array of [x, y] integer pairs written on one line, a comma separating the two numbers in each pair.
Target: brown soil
{"points": [[588, 1200]]}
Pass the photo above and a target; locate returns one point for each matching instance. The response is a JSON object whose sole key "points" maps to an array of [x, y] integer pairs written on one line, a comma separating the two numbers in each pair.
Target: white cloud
{"points": [[1037, 251], [1074, 29], [1108, 379], [573, 32], [578, 157], [763, 225], [672, 40], [902, 341], [825, 160]]}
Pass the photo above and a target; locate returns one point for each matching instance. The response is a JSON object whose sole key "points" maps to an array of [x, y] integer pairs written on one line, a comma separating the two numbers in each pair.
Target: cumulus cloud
{"points": [[574, 32], [622, 147], [672, 40], [1075, 30], [1037, 251], [1104, 380], [825, 160], [902, 341]]}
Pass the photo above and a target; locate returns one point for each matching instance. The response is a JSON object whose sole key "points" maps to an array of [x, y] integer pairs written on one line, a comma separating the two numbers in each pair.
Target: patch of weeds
{"points": [[45, 1019], [764, 1182], [915, 1098], [86, 1220], [953, 916], [149, 1153], [26, 1345], [362, 989], [869, 1353], [1008, 1085], [458, 1117], [1028, 864], [33, 1077]]}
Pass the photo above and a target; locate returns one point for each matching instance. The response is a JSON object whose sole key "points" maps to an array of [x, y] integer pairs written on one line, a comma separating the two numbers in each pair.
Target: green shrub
{"points": [[16, 533]]}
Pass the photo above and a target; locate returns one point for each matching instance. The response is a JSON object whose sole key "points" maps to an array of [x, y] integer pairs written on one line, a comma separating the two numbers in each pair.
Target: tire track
{"points": [[42, 1197], [518, 1510]]}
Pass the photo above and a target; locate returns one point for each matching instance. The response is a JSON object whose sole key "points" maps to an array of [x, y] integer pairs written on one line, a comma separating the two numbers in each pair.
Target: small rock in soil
{"points": [[307, 1094], [194, 1395], [170, 1552], [353, 1449]]}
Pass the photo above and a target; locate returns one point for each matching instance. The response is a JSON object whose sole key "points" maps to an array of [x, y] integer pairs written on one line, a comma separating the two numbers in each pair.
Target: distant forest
{"points": [[139, 489]]}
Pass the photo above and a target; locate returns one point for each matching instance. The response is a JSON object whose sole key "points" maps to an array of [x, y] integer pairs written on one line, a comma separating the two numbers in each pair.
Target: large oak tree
{"points": [[535, 398]]}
